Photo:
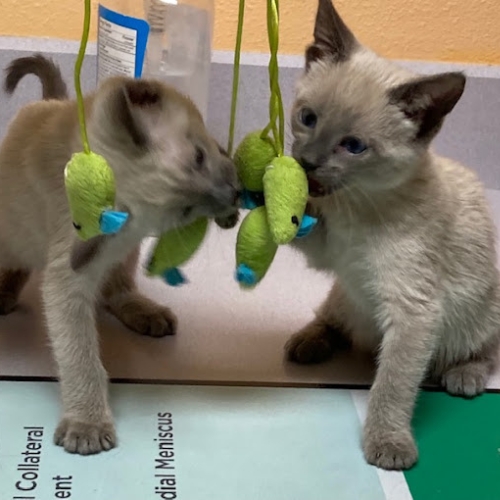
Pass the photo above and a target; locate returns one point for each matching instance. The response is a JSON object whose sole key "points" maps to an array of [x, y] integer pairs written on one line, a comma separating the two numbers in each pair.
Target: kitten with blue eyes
{"points": [[406, 233]]}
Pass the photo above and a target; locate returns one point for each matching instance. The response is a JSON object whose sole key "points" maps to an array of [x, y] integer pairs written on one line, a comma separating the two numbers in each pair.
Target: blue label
{"points": [[122, 44]]}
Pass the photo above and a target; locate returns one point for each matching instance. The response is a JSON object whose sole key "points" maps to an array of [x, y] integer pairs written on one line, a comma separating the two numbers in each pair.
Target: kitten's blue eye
{"points": [[308, 117], [353, 145]]}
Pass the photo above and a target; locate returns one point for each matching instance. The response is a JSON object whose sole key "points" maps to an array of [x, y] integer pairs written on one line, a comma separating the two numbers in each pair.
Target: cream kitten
{"points": [[407, 233], [168, 171]]}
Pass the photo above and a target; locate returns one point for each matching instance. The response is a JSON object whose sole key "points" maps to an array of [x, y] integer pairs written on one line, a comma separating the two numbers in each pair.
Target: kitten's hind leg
{"points": [[323, 336], [469, 378], [315, 343], [12, 282], [133, 309]]}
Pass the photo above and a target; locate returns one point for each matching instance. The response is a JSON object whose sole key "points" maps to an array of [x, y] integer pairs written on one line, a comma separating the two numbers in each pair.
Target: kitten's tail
{"points": [[49, 73]]}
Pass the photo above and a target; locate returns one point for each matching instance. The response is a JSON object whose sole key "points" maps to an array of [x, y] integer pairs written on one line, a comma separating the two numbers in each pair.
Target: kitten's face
{"points": [[358, 120], [163, 157], [346, 132]]}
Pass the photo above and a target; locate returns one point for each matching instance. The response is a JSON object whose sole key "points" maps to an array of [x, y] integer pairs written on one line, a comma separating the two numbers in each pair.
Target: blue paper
{"points": [[228, 443]]}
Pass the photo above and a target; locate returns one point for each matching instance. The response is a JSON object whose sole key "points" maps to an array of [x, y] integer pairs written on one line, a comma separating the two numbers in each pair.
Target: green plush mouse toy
{"points": [[89, 180], [276, 192], [90, 190], [275, 185], [174, 248]]}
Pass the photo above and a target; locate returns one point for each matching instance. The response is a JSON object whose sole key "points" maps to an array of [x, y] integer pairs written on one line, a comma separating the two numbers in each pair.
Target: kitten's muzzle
{"points": [[226, 211], [224, 203], [316, 188], [307, 165], [226, 196]]}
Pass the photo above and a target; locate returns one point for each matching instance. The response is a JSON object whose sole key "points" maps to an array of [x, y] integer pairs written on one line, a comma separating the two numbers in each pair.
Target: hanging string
{"points": [[276, 113], [276, 123], [78, 70], [281, 112], [236, 76]]}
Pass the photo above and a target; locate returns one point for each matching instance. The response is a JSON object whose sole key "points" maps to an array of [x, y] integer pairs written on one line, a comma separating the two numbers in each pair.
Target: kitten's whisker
{"points": [[349, 197], [371, 202], [288, 135]]}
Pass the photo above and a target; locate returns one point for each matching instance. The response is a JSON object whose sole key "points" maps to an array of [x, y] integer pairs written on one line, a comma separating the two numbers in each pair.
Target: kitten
{"points": [[168, 172], [407, 233]]}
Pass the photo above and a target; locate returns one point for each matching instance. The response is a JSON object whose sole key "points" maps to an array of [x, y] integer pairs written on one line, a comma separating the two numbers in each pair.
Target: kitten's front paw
{"points": [[467, 380], [85, 438], [394, 450]]}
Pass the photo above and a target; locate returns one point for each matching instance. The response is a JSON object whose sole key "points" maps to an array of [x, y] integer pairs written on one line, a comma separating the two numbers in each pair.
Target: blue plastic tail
{"points": [[111, 222], [251, 199], [306, 226], [247, 201], [245, 275], [174, 277]]}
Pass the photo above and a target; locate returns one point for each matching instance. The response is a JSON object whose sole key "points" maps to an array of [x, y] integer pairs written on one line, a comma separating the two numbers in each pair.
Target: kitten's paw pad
{"points": [[390, 451], [466, 380], [85, 438], [307, 347], [8, 303]]}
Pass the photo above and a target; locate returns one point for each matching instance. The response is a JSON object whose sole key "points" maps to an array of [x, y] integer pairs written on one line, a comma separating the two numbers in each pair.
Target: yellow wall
{"points": [[446, 30]]}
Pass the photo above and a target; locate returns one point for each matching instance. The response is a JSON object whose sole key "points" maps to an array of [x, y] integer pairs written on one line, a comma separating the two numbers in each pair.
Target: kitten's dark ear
{"points": [[138, 103], [333, 40], [428, 100]]}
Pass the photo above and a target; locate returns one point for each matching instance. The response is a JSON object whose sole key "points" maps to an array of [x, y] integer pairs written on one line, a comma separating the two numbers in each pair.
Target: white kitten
{"points": [[407, 233]]}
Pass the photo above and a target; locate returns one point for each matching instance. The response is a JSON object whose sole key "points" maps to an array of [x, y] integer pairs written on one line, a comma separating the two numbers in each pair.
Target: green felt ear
{"points": [[286, 193], [251, 158], [90, 189], [177, 246], [255, 248]]}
